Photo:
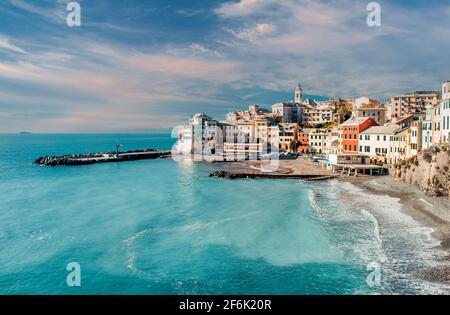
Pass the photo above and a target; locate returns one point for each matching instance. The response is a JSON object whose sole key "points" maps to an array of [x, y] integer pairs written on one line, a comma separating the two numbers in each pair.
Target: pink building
{"points": [[414, 103]]}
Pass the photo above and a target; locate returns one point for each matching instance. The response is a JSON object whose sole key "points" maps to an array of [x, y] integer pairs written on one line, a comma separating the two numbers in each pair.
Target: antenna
{"points": [[118, 146]]}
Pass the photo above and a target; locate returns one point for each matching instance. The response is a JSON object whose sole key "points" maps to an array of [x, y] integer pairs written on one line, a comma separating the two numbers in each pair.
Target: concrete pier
{"points": [[354, 169], [110, 157]]}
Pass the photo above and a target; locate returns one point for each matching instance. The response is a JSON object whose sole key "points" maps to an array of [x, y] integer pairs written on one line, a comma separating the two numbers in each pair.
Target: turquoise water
{"points": [[165, 227]]}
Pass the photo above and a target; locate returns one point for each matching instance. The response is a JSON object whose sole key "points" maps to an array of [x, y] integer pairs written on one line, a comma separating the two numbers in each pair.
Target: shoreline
{"points": [[433, 212]]}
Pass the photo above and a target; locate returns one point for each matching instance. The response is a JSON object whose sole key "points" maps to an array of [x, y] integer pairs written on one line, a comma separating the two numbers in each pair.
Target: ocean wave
{"points": [[185, 228], [401, 244]]}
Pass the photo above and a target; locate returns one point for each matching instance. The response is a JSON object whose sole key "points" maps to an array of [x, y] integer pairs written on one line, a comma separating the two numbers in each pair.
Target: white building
{"points": [[288, 112], [249, 137], [202, 138], [314, 113], [427, 128], [376, 141], [364, 100], [253, 112], [445, 112], [318, 140], [333, 141]]}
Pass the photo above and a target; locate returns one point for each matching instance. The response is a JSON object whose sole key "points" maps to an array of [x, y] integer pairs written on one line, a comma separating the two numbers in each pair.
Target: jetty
{"points": [[95, 158], [303, 169], [248, 175]]}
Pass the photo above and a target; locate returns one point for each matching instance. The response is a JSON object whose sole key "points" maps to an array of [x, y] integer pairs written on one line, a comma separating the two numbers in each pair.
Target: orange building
{"points": [[303, 141], [351, 130]]}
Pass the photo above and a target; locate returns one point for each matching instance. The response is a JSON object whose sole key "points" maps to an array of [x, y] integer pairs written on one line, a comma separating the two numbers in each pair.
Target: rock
{"points": [[219, 174], [429, 170], [438, 274]]}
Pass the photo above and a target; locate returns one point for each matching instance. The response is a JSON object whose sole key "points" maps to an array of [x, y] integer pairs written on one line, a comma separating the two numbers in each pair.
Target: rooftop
{"points": [[355, 121], [383, 130], [373, 106], [316, 130], [416, 93]]}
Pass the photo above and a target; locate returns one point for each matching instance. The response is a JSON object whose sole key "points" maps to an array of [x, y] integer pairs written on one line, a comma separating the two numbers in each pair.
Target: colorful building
{"points": [[403, 105], [350, 131], [303, 141]]}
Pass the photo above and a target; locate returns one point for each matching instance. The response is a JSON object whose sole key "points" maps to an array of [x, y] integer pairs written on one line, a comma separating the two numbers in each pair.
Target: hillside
{"points": [[429, 170]]}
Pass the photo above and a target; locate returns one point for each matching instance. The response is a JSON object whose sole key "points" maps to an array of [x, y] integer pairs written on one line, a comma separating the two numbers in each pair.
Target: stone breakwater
{"points": [[236, 175], [110, 157]]}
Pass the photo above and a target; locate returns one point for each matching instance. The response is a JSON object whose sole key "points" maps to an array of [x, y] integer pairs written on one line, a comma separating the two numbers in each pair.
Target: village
{"points": [[350, 136]]}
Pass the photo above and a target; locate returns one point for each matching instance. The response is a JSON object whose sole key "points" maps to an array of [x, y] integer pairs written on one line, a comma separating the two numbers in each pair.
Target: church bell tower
{"points": [[298, 94]]}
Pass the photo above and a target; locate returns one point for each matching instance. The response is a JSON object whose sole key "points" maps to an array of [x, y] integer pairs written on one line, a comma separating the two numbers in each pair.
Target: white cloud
{"points": [[5, 44], [260, 44], [328, 46], [243, 8], [254, 33], [56, 14]]}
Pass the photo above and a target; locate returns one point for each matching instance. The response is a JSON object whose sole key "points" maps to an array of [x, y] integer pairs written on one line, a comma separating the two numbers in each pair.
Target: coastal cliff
{"points": [[429, 170]]}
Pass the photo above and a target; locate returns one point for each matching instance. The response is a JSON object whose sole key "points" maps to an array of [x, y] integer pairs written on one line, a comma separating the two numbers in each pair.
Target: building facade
{"points": [[363, 100], [375, 142], [288, 133], [350, 131], [414, 103], [445, 112], [375, 111], [287, 112], [427, 128], [318, 140], [203, 137]]}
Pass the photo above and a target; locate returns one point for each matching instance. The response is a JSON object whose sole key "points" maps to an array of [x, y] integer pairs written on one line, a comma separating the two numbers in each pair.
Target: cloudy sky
{"points": [[134, 65]]}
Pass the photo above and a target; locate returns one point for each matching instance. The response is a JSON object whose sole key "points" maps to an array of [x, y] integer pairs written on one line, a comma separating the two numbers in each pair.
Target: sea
{"points": [[166, 227]]}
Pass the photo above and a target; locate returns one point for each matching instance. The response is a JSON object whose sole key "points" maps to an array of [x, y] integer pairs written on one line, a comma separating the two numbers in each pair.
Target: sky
{"points": [[137, 65]]}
